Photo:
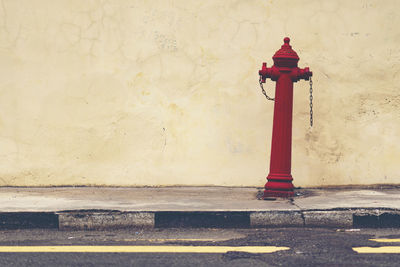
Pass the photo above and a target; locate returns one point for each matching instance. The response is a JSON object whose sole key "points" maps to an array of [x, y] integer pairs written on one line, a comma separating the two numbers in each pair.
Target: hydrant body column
{"points": [[285, 72], [279, 177]]}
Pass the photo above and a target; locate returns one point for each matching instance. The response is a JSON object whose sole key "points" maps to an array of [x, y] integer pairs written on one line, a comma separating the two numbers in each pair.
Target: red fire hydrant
{"points": [[284, 72]]}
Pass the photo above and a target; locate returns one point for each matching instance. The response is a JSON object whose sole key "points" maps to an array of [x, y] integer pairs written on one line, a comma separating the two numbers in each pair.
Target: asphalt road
{"points": [[304, 247]]}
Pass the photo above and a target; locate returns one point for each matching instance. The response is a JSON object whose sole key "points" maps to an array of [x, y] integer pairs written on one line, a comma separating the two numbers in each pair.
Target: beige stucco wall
{"points": [[166, 92]]}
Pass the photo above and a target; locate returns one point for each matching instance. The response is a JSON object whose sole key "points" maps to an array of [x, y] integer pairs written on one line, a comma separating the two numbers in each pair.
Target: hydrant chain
{"points": [[311, 104], [263, 91]]}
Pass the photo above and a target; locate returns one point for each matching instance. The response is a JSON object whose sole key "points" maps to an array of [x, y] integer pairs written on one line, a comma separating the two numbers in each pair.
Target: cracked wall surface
{"points": [[153, 93]]}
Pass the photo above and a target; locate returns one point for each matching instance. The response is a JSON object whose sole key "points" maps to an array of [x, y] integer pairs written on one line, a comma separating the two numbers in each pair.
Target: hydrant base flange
{"points": [[279, 185]]}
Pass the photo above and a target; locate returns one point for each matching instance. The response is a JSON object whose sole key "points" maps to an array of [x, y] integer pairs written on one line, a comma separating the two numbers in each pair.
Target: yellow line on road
{"points": [[386, 240], [386, 249], [142, 249]]}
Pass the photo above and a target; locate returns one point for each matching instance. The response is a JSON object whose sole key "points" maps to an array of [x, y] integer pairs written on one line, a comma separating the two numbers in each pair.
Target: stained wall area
{"points": [[165, 92]]}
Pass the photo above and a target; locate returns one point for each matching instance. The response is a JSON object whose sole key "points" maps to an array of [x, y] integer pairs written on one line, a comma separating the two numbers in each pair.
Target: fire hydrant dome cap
{"points": [[286, 56]]}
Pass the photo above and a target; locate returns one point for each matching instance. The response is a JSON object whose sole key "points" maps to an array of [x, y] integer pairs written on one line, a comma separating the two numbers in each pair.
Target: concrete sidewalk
{"points": [[108, 208]]}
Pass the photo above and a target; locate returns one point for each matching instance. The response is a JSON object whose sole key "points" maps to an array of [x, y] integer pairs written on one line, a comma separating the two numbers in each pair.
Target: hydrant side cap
{"points": [[286, 57]]}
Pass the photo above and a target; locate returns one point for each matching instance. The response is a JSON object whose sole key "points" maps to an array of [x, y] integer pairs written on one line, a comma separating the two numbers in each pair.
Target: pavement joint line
{"points": [[300, 210], [385, 249], [140, 249]]}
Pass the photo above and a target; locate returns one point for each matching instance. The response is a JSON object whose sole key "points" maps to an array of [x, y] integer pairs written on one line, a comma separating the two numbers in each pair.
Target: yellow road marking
{"points": [[386, 240], [387, 249], [142, 249]]}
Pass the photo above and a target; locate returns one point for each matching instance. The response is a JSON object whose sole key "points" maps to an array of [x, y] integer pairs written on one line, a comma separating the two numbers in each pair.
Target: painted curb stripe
{"points": [[388, 249], [141, 249], [197, 219], [173, 239]]}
